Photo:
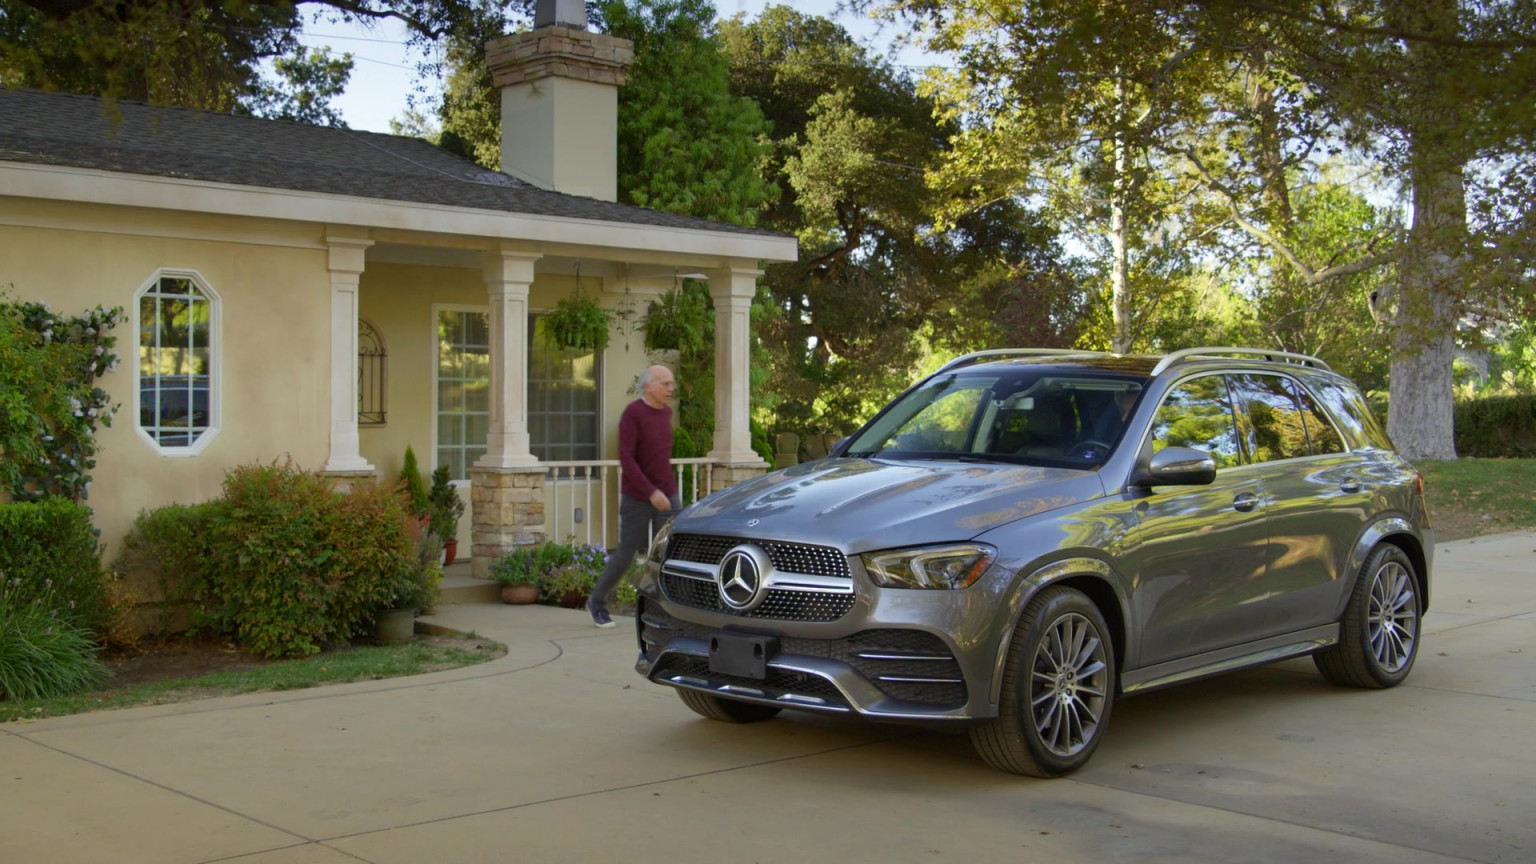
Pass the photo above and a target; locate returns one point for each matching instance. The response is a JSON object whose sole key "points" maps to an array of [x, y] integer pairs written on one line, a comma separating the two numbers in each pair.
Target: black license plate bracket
{"points": [[742, 655]]}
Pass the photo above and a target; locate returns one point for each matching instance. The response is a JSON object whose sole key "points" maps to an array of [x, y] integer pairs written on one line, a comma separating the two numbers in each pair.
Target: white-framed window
{"points": [[563, 388], [562, 398], [176, 316], [463, 386]]}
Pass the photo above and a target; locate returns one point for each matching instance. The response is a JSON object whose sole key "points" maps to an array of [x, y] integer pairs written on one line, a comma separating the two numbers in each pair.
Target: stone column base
{"points": [[346, 481], [506, 507], [723, 474]]}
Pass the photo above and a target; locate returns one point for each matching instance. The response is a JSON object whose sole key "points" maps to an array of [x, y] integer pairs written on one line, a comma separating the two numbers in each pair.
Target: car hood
{"points": [[859, 505]]}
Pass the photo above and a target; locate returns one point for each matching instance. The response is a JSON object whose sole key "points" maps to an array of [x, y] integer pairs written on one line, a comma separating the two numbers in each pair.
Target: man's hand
{"points": [[659, 501]]}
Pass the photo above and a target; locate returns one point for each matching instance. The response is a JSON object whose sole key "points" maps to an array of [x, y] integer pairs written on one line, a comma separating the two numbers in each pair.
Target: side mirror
{"points": [[1176, 466]]}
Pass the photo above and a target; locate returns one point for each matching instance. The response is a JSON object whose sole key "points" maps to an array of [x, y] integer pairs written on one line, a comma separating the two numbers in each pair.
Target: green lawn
{"points": [[1468, 497]]}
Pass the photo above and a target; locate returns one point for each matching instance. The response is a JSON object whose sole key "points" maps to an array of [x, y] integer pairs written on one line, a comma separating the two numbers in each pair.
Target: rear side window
{"points": [[1272, 420], [1198, 413], [1350, 409], [1320, 433]]}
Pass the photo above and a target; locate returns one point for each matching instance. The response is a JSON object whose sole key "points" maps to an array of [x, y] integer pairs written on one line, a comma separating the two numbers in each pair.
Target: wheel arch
{"points": [[1400, 533], [1094, 578]]}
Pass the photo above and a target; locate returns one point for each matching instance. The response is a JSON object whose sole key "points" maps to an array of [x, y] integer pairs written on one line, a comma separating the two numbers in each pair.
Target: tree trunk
{"points": [[1120, 292], [1421, 418]]}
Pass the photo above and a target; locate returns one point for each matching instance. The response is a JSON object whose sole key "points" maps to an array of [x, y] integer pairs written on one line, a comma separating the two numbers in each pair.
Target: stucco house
{"points": [[332, 296]]}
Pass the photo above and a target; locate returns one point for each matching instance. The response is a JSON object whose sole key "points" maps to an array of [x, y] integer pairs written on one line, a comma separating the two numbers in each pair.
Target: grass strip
{"points": [[332, 667]]}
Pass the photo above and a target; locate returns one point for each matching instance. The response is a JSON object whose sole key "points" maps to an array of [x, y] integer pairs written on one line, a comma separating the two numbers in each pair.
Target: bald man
{"points": [[648, 493]]}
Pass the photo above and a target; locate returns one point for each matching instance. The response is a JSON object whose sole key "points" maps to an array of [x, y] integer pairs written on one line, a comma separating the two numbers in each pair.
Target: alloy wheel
{"points": [[1068, 684]]}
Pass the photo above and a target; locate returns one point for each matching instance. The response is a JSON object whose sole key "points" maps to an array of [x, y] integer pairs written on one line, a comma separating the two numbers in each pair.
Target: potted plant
{"points": [[444, 507], [579, 322], [518, 577], [569, 582]]}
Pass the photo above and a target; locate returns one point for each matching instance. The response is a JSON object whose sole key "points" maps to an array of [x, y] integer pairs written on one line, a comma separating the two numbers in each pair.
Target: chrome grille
{"points": [[789, 557], [779, 605]]}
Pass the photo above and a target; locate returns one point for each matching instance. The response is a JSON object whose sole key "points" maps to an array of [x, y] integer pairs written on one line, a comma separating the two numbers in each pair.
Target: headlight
{"points": [[659, 540], [930, 566]]}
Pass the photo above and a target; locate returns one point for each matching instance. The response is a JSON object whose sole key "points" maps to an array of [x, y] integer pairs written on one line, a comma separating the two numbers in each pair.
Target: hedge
{"points": [[49, 552], [1497, 427]]}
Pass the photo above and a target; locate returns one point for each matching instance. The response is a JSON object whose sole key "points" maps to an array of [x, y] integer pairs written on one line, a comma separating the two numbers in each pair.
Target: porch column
{"points": [[732, 290], [508, 276], [506, 496], [346, 266]]}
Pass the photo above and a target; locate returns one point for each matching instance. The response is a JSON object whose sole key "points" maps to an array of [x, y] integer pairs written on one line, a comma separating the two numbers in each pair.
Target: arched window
{"points": [[176, 315]]}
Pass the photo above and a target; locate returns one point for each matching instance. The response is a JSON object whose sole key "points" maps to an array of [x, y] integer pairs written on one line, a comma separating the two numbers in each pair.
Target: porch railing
{"points": [[582, 497]]}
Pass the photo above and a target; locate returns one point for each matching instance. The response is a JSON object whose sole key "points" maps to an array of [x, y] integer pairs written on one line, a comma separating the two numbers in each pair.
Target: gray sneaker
{"points": [[600, 616]]}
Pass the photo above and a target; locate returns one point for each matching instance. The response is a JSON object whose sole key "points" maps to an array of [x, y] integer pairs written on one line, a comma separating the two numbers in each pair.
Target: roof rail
{"points": [[978, 356], [1205, 353]]}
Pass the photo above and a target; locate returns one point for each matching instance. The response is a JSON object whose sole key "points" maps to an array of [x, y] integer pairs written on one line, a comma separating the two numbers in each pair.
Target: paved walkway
{"points": [[559, 752]]}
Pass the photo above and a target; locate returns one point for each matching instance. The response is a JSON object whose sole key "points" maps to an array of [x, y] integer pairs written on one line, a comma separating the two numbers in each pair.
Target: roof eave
{"points": [[93, 186]]}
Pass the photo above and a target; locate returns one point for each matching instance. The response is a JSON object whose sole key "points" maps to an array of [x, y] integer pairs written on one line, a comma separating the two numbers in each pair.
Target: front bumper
{"points": [[883, 654]]}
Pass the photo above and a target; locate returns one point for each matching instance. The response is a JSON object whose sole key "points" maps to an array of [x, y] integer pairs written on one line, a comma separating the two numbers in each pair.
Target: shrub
{"points": [[1497, 427], [410, 483], [42, 655], [50, 404], [446, 505], [294, 565], [567, 570], [48, 549], [172, 546]]}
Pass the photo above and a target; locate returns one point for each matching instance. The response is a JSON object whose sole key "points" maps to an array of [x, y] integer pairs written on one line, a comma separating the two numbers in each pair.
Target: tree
{"points": [[309, 80], [1436, 92], [875, 288]]}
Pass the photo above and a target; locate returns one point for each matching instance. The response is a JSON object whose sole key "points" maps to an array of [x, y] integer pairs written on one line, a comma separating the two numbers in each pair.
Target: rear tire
{"points": [[726, 710], [1379, 634], [1058, 689]]}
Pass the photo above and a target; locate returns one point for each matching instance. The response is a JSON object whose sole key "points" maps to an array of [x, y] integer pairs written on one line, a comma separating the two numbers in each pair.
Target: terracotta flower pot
{"points": [[519, 594], [450, 549]]}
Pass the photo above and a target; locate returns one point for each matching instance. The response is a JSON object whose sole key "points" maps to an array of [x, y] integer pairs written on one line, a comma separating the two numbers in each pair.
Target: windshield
{"points": [[1028, 415]]}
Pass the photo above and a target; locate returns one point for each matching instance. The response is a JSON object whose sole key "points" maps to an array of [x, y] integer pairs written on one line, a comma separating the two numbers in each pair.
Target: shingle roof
{"points": [[135, 138]]}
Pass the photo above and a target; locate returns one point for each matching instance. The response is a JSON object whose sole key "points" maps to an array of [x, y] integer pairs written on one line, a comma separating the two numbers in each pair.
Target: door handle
{"points": [[1350, 484], [1245, 502]]}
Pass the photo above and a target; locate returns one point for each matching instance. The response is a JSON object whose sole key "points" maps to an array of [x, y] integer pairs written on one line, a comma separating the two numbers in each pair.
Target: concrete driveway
{"points": [[558, 752]]}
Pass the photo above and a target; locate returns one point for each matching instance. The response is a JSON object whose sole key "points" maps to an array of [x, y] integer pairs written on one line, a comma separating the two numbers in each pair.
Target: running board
{"points": [[1228, 659]]}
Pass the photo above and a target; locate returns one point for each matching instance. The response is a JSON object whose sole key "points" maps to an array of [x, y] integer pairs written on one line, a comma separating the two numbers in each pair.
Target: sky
{"points": [[384, 71]]}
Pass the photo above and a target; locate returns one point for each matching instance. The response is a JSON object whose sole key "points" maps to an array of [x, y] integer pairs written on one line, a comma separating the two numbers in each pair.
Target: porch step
{"points": [[459, 586]]}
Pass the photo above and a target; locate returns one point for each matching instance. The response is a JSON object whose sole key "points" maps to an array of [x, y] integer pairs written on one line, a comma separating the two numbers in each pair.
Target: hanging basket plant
{"points": [[679, 320], [579, 322]]}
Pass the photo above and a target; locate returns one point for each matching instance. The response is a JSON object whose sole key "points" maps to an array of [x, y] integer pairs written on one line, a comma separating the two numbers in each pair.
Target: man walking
{"points": [[648, 492]]}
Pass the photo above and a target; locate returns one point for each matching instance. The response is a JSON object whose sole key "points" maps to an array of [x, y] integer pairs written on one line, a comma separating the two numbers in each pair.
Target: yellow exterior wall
{"points": [[272, 353]]}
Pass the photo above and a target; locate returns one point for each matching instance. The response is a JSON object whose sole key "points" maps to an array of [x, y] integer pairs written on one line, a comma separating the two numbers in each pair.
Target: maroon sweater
{"points": [[645, 450]]}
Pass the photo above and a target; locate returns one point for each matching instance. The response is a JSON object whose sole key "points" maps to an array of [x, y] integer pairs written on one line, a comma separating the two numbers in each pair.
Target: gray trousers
{"points": [[637, 519]]}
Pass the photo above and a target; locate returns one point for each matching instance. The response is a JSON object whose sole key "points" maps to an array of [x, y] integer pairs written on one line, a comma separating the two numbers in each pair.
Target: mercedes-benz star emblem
{"points": [[743, 577]]}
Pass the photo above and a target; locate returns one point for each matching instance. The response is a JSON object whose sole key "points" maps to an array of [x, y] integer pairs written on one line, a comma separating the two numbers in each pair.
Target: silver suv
{"points": [[1024, 536]]}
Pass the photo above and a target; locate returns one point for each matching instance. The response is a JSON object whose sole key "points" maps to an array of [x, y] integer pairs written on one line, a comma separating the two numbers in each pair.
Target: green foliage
{"points": [[687, 143], [49, 404], [42, 654], [681, 320], [308, 80], [49, 556], [446, 505], [172, 547], [293, 565], [517, 567], [205, 54], [1497, 427], [579, 322], [411, 485]]}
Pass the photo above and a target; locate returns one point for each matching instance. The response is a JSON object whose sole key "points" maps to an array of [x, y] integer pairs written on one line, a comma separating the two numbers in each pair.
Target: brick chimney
{"points": [[559, 101]]}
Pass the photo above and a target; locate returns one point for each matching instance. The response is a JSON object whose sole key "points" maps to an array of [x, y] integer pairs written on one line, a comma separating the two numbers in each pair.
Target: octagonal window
{"points": [[177, 317]]}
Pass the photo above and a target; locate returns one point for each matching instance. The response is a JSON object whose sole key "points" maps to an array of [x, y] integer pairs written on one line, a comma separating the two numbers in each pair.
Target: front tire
{"points": [[1379, 634], [1058, 689], [726, 710]]}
